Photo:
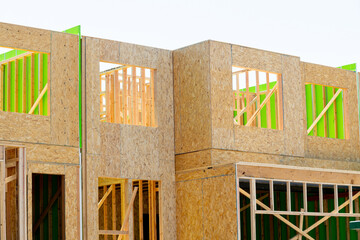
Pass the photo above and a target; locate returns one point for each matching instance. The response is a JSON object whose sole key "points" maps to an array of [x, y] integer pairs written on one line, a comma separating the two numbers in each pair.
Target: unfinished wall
{"points": [[51, 142], [128, 151], [206, 204], [290, 146]]}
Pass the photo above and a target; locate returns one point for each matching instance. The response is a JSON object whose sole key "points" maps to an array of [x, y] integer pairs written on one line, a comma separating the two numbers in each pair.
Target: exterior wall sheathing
{"points": [[204, 103], [51, 142]]}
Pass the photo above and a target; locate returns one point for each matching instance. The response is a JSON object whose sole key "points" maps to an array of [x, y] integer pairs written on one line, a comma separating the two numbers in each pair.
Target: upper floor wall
{"points": [[61, 125], [204, 103], [124, 138]]}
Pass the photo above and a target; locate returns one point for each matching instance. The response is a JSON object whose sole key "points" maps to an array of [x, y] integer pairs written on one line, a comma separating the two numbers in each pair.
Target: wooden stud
{"points": [[152, 91], [324, 110], [343, 205], [267, 98], [107, 101], [125, 98], [32, 79], [279, 102], [33, 107], [125, 223], [247, 98], [301, 223], [346, 114], [335, 117], [49, 84], [160, 213], [271, 183], [123, 200], [268, 107], [288, 196], [325, 117], [253, 208], [106, 210], [321, 198], [143, 98], [9, 87], [41, 83], [116, 98], [16, 93], [24, 95], [113, 206], [305, 201], [22, 194], [237, 98], [314, 107], [351, 208], [1, 87], [258, 98], [134, 96], [281, 218], [141, 214], [3, 195]]}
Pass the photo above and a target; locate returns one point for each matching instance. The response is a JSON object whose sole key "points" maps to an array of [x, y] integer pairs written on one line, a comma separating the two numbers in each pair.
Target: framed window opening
{"points": [[257, 98], [115, 208], [25, 81], [326, 113], [127, 94]]}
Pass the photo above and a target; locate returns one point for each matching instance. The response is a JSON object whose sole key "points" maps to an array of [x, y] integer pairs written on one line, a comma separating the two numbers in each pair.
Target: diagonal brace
{"points": [[324, 110], [105, 196], [277, 215], [327, 217], [267, 98]]}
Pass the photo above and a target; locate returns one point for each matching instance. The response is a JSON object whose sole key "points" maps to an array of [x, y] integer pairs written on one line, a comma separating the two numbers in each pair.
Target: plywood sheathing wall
{"points": [[128, 151], [192, 98], [51, 142], [339, 149], [206, 204]]}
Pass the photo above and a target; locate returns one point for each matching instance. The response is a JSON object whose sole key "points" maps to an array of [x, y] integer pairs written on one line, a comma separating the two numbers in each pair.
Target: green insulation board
{"points": [[272, 102]]}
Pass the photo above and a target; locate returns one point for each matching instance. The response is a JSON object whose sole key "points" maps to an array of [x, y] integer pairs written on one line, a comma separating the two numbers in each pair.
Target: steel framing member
{"points": [[19, 163], [304, 212]]}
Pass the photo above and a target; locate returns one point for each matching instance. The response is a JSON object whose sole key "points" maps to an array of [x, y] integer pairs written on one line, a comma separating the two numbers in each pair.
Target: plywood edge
{"points": [[202, 173]]}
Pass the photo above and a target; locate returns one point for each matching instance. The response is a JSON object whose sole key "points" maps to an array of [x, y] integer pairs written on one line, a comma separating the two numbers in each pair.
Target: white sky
{"points": [[320, 31]]}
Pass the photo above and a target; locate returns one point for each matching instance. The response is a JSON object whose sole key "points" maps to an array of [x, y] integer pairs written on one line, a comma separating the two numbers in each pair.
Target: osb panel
{"points": [[256, 59], [193, 160], [318, 147], [226, 157], [128, 151], [72, 207], [206, 206], [189, 210], [192, 98], [109, 51], [293, 105], [221, 95], [219, 211], [223, 170], [92, 95], [227, 135], [137, 55], [64, 92], [26, 38], [51, 153], [298, 174], [168, 198], [24, 127]]}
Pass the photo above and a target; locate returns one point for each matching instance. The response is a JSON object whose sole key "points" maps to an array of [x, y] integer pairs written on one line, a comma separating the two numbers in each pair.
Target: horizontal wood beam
{"points": [[113, 232]]}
